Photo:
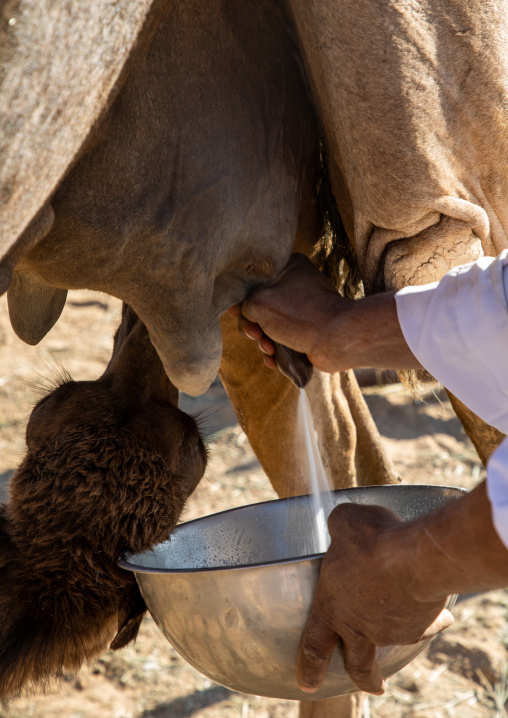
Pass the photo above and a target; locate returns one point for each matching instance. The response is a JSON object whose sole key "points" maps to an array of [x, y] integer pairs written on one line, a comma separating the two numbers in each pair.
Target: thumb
{"points": [[316, 649]]}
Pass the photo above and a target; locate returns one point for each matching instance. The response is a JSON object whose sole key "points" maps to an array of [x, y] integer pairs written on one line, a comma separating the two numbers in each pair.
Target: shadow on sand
{"points": [[188, 705]]}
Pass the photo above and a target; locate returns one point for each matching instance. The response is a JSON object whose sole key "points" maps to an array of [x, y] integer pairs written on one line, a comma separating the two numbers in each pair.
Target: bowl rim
{"points": [[125, 563]]}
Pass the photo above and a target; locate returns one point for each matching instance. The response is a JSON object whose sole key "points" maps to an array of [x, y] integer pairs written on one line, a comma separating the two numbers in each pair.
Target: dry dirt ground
{"points": [[462, 674]]}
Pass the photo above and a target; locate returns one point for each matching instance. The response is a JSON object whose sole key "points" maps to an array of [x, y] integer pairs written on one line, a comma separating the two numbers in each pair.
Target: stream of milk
{"points": [[319, 486]]}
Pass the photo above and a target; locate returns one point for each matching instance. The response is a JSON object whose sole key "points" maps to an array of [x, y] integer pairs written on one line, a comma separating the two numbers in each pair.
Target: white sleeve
{"points": [[497, 489], [458, 330]]}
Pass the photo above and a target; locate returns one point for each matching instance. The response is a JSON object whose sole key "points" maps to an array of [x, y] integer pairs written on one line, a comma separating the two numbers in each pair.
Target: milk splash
{"points": [[319, 486]]}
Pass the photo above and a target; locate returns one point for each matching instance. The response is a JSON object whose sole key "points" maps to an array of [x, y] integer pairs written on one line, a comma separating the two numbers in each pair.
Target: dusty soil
{"points": [[462, 674]]}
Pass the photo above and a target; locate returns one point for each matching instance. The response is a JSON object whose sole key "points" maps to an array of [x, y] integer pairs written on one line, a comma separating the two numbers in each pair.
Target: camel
{"points": [[190, 187], [176, 185]]}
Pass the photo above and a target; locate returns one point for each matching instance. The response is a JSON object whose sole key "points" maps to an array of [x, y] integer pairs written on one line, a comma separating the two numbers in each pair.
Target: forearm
{"points": [[455, 550], [363, 333]]}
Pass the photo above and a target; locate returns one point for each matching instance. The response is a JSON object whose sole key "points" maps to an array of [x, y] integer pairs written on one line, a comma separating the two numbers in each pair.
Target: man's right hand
{"points": [[303, 311], [296, 309]]}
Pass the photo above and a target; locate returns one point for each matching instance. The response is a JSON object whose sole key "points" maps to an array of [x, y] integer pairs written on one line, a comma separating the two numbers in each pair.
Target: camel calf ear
{"points": [[128, 632], [130, 616]]}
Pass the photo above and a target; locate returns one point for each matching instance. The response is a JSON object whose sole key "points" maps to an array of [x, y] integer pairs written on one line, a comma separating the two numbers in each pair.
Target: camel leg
{"points": [[349, 442], [266, 404], [341, 707]]}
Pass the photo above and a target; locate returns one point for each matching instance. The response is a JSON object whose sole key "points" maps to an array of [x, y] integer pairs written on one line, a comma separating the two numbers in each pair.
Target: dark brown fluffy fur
{"points": [[109, 466]]}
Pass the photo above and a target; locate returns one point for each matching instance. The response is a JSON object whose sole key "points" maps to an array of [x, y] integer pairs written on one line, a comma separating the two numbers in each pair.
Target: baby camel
{"points": [[109, 465]]}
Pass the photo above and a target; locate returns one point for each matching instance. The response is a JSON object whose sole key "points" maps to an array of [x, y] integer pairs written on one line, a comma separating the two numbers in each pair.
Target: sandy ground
{"points": [[463, 673]]}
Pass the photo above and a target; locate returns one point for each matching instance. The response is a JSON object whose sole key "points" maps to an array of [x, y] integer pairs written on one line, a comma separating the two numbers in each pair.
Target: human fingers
{"points": [[270, 362], [249, 329], [266, 345], [359, 654], [444, 620], [316, 649]]}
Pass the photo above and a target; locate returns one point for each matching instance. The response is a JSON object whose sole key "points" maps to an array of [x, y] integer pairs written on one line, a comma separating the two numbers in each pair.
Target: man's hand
{"points": [[384, 582], [303, 311], [365, 598], [296, 309]]}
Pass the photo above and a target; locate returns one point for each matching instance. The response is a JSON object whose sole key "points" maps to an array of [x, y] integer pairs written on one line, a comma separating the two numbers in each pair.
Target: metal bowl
{"points": [[232, 591]]}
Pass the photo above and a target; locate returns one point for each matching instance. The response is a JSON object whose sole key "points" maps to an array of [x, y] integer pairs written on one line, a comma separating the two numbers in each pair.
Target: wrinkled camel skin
{"points": [[210, 189], [108, 468], [416, 130]]}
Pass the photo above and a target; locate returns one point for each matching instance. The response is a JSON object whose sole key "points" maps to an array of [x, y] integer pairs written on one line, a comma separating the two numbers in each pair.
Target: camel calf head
{"points": [[109, 465]]}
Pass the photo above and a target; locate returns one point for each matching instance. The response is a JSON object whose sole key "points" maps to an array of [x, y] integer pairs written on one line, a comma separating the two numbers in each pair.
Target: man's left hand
{"points": [[364, 598]]}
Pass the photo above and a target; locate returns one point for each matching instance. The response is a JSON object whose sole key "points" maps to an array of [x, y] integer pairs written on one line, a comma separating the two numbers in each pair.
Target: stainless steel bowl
{"points": [[232, 591]]}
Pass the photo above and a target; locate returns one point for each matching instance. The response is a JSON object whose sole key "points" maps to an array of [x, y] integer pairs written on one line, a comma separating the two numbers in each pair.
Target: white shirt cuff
{"points": [[458, 330], [497, 489]]}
